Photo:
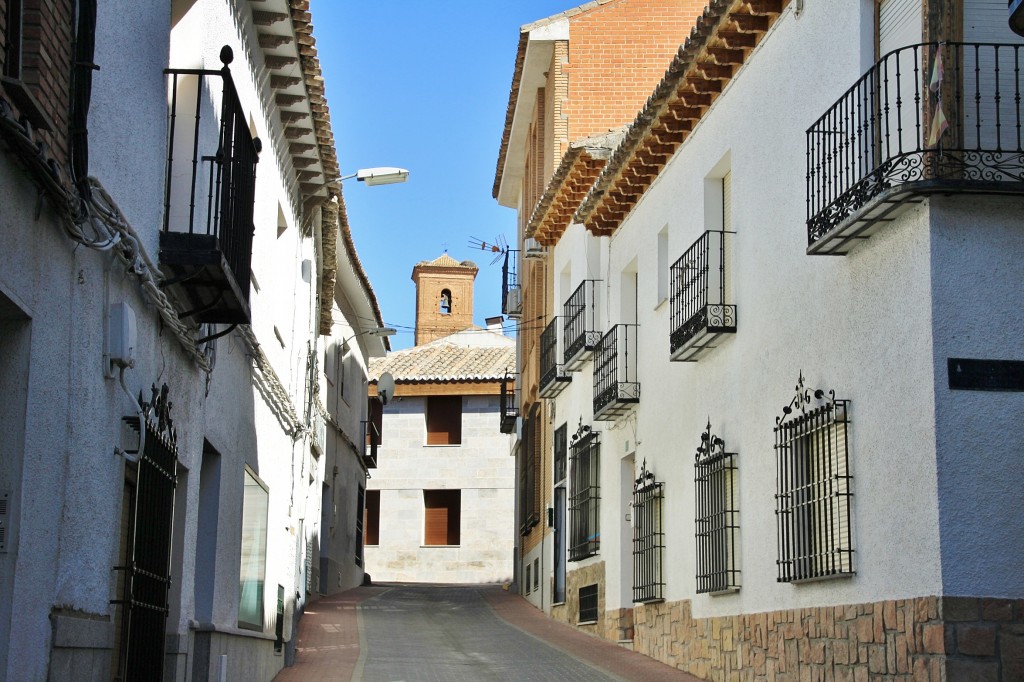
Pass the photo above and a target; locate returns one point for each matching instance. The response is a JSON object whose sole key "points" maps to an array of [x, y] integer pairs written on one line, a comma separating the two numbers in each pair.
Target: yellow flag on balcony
{"points": [[939, 124]]}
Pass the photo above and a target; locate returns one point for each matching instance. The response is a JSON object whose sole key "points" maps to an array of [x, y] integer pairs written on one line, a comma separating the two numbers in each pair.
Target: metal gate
{"points": [[145, 568]]}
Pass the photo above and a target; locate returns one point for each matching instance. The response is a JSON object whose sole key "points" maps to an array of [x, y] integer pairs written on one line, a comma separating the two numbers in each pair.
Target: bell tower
{"points": [[444, 297]]}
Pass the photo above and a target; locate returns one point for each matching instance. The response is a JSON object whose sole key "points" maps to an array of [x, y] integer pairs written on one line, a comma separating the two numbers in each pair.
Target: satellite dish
{"points": [[385, 387]]}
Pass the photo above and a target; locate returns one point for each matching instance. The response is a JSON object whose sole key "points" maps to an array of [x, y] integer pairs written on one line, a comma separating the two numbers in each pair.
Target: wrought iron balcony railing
{"points": [[927, 118], [553, 376], [206, 250], [699, 312], [616, 388], [579, 325], [509, 403], [511, 294], [371, 441]]}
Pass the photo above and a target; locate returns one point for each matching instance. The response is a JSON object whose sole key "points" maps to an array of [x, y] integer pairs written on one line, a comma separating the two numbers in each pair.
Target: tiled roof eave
{"points": [[719, 44], [576, 173]]}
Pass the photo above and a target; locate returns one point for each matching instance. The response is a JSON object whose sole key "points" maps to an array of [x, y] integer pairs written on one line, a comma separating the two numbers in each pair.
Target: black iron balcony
{"points": [[371, 440], [205, 251], [511, 294], [553, 377], [616, 388], [580, 325], [509, 404], [928, 118], [700, 314]]}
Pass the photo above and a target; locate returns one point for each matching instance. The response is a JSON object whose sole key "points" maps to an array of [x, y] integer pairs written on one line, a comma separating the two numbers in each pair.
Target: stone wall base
{"points": [[569, 613], [926, 639], [82, 648]]}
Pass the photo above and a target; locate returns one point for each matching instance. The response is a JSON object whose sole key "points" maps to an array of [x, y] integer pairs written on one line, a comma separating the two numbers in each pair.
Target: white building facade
{"points": [[768, 462], [440, 499], [162, 471]]}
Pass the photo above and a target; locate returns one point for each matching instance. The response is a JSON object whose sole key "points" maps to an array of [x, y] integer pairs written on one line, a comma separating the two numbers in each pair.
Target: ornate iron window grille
{"points": [[588, 604], [508, 403], [717, 516], [561, 451], [193, 246], [553, 375], [931, 117], [648, 538], [529, 480], [813, 478], [616, 388], [585, 496], [579, 325], [700, 314], [146, 573]]}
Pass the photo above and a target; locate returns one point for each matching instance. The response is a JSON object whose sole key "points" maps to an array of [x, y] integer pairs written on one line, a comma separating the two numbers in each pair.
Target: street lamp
{"points": [[384, 175]]}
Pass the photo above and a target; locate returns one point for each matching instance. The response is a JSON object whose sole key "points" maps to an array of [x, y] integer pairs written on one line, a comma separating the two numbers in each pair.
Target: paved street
{"points": [[421, 633]]}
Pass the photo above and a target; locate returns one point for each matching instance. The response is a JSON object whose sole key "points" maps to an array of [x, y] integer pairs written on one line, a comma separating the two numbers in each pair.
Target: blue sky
{"points": [[424, 86]]}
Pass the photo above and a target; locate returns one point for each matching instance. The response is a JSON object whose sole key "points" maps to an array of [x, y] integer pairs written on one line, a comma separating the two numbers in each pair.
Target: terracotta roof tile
{"points": [[452, 358]]}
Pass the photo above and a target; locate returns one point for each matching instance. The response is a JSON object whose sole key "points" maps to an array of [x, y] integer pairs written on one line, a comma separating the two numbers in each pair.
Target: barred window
{"points": [[717, 516], [813, 483], [588, 604], [584, 503], [648, 538], [561, 442]]}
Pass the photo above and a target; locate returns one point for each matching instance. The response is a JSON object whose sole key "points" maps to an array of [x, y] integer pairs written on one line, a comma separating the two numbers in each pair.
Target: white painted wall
{"points": [[482, 467], [67, 485], [977, 271], [875, 326]]}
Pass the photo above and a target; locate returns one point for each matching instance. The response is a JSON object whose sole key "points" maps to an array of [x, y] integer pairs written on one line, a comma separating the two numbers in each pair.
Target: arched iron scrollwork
{"points": [[813, 486], [717, 515], [648, 537]]}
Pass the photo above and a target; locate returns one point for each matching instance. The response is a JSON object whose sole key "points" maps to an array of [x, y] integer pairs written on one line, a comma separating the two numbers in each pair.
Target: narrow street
{"points": [[407, 633]]}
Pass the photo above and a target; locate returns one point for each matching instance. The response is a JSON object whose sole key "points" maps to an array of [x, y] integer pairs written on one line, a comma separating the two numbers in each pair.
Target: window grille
{"points": [[699, 312], [553, 375], [717, 516], [813, 487], [584, 504], [648, 537], [579, 325], [616, 388], [144, 569], [508, 403], [561, 441], [588, 604]]}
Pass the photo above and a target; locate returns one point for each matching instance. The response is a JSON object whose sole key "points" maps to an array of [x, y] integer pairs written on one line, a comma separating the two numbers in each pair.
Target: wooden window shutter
{"points": [[442, 517], [444, 420]]}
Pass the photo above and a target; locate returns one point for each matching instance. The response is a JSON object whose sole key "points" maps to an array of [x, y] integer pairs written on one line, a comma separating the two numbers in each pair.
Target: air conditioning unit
{"points": [[533, 249], [514, 303]]}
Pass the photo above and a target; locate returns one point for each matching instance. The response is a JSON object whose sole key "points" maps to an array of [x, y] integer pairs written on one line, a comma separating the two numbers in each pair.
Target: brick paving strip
{"points": [[328, 638]]}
